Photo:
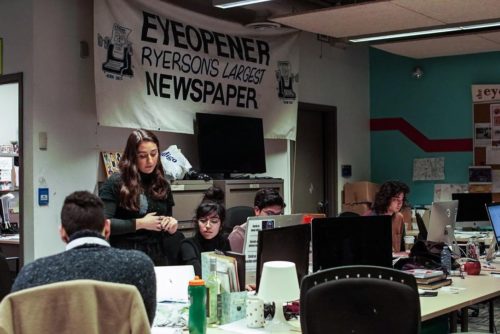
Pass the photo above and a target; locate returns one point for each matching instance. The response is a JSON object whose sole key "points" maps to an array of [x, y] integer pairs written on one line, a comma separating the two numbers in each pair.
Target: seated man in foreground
{"points": [[88, 254]]}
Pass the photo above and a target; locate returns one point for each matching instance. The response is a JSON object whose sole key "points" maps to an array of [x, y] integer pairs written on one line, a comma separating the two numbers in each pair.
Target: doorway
{"points": [[314, 172], [11, 156]]}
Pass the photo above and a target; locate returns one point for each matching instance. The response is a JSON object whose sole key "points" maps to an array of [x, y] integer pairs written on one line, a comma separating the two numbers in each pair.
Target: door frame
{"points": [[330, 180], [9, 79]]}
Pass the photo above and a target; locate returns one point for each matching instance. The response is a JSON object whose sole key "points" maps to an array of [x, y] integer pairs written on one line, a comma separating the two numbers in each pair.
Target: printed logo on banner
{"points": [[119, 55], [285, 79]]}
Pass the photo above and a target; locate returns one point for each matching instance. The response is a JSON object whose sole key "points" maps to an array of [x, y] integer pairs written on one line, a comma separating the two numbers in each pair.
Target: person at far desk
{"points": [[267, 202], [89, 256], [389, 200], [139, 202], [208, 221]]}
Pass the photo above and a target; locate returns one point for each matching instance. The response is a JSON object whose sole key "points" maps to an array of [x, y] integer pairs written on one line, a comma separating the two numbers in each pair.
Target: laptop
{"points": [[172, 283]]}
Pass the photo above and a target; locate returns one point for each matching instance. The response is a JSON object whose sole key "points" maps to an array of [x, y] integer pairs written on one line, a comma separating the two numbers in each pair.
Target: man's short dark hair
{"points": [[82, 210], [266, 197]]}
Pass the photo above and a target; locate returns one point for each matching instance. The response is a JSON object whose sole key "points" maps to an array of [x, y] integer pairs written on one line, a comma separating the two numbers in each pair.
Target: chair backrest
{"points": [[359, 299], [237, 215], [349, 214], [78, 306]]}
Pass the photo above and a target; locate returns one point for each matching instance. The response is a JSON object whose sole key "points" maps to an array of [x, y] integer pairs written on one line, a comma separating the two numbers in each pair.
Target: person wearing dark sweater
{"points": [[139, 202], [89, 256], [208, 221]]}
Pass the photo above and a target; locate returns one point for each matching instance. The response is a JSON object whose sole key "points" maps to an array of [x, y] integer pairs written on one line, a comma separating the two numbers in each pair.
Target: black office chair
{"points": [[6, 275], [236, 215], [349, 214], [359, 299]]}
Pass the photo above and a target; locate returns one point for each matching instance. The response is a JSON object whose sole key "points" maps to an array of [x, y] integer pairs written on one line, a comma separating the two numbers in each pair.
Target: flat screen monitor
{"points": [[472, 208], [443, 214], [493, 210], [230, 144], [344, 241], [291, 243]]}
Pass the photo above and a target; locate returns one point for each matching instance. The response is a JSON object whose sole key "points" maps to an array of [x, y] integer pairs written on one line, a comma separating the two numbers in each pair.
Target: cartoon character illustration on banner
{"points": [[285, 79], [119, 56]]}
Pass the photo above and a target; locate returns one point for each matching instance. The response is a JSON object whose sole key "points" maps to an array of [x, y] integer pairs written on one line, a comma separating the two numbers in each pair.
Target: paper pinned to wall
{"points": [[492, 155], [495, 180], [443, 191], [482, 135], [6, 163], [426, 169]]}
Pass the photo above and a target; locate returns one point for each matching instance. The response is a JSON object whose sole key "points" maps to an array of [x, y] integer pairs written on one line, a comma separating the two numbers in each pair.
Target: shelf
{"points": [[6, 155], [8, 190]]}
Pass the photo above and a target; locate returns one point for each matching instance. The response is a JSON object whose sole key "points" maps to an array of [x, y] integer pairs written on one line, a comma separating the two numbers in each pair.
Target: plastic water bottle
{"points": [[446, 259], [197, 323]]}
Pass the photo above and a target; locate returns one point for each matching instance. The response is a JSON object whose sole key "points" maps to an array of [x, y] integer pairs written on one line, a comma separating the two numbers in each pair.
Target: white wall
{"points": [[59, 100], [9, 122], [340, 77]]}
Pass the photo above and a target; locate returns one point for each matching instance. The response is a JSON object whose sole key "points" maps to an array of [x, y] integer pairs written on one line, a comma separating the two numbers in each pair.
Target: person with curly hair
{"points": [[139, 202], [389, 200]]}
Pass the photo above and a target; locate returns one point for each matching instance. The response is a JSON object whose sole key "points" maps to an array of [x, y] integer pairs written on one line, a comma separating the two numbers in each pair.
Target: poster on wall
{"points": [[157, 65], [482, 134], [427, 169], [495, 124]]}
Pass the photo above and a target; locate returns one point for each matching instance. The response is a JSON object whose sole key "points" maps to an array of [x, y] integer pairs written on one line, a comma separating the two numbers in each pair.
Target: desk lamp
{"points": [[279, 284], [5, 200]]}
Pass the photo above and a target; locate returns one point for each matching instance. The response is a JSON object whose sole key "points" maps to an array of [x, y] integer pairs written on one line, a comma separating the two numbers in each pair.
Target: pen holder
{"points": [[255, 312]]}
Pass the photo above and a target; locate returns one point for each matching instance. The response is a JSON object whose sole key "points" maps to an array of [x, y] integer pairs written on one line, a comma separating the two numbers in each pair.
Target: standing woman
{"points": [[389, 200], [208, 221], [139, 202]]}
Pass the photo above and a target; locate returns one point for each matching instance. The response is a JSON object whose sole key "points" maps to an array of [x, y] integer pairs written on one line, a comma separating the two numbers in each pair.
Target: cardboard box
{"points": [[360, 192], [360, 208]]}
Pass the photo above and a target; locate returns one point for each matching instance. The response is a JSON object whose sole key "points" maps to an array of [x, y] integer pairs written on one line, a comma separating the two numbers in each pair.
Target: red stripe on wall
{"points": [[417, 137]]}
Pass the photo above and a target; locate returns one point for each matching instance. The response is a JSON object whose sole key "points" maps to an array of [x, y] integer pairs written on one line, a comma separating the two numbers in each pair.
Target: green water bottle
{"points": [[197, 306], [213, 288]]}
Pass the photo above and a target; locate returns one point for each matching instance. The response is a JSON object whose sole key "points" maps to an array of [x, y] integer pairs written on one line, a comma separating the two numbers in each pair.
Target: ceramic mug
{"points": [[255, 312], [472, 267]]}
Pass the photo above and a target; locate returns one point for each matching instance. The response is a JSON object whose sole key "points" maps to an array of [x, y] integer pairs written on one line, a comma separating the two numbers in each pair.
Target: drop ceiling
{"points": [[341, 20]]}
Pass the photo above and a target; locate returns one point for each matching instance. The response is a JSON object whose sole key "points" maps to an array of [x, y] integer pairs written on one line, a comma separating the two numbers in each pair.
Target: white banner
{"points": [[485, 93], [156, 65]]}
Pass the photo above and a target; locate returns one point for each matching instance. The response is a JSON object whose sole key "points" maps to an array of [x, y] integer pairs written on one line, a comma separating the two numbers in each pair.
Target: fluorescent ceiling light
{"points": [[224, 4], [425, 32]]}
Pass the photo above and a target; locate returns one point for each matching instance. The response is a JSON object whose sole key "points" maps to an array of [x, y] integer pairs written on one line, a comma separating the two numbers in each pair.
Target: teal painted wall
{"points": [[439, 105]]}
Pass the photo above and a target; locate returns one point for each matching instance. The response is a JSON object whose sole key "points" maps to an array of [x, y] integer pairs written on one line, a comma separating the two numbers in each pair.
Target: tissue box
{"points": [[233, 306], [359, 192]]}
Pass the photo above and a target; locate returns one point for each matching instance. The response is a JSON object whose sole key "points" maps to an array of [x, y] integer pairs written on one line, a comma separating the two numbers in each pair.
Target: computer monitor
{"points": [[471, 209], [443, 214], [493, 210], [343, 241], [291, 243]]}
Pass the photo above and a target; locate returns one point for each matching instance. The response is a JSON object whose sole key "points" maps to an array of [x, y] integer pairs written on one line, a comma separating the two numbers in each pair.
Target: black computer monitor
{"points": [[343, 241], [472, 209], [291, 243]]}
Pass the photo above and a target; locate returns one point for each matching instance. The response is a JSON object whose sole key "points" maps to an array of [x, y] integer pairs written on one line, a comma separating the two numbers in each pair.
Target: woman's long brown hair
{"points": [[131, 178]]}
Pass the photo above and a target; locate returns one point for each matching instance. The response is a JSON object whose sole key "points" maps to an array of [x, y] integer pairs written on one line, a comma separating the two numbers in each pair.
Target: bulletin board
{"points": [[486, 121]]}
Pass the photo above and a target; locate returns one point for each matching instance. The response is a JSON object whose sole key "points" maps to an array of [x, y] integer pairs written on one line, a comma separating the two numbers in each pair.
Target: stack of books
{"points": [[429, 279]]}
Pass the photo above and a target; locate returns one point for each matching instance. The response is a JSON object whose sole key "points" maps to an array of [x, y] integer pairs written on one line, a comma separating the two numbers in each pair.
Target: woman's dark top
{"points": [[161, 247], [191, 249]]}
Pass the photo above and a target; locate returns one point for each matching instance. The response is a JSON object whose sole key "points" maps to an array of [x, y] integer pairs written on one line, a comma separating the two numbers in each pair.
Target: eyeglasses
{"points": [[212, 221], [145, 155]]}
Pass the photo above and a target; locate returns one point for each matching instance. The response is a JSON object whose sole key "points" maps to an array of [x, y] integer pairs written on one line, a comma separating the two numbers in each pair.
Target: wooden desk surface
{"points": [[477, 289]]}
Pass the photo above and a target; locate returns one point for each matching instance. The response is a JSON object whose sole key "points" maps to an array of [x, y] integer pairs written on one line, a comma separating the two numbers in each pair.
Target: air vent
{"points": [[264, 25]]}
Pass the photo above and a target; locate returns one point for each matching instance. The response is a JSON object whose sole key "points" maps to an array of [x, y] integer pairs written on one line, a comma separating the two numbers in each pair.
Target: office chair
{"points": [[359, 299], [236, 215], [78, 306], [349, 214], [6, 275]]}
